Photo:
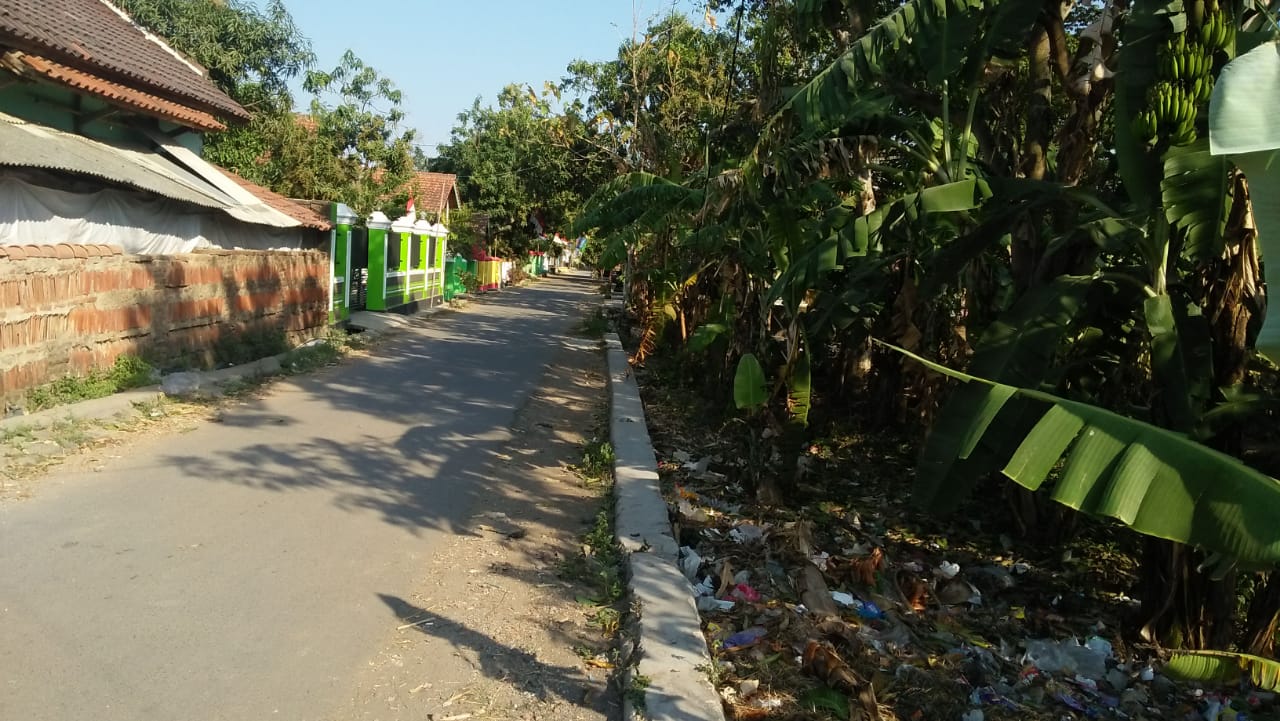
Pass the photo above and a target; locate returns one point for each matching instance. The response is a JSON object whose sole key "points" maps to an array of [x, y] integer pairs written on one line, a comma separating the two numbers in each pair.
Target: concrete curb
{"points": [[672, 656]]}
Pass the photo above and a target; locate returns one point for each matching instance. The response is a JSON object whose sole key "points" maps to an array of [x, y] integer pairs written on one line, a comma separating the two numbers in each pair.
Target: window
{"points": [[393, 251], [415, 251]]}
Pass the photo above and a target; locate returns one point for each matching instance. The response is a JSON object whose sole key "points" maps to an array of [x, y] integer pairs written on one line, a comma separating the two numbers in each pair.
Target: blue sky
{"points": [[444, 54]]}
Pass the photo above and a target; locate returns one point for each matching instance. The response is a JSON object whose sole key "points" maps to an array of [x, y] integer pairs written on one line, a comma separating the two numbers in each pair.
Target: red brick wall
{"points": [[68, 309]]}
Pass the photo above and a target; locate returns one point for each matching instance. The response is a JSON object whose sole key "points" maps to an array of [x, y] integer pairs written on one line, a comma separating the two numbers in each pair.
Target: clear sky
{"points": [[442, 55]]}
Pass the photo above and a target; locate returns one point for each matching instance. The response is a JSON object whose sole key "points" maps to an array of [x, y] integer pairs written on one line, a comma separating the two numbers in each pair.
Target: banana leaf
{"points": [[1225, 668], [749, 383], [1242, 113], [1156, 482], [1016, 349]]}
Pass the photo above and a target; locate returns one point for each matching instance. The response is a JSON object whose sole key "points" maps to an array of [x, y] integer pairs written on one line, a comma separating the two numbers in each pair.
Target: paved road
{"points": [[237, 571]]}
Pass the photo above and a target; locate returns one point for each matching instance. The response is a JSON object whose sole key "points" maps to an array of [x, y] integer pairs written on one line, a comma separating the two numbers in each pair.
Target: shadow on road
{"points": [[414, 427], [499, 661]]}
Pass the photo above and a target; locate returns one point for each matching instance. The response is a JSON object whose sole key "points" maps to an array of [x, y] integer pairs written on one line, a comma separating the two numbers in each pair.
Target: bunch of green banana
{"points": [[1173, 110], [1184, 74], [1216, 30]]}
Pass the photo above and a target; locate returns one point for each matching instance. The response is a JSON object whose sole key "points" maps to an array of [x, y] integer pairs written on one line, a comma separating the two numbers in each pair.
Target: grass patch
{"points": [[126, 373], [635, 690], [595, 325], [596, 466], [312, 357]]}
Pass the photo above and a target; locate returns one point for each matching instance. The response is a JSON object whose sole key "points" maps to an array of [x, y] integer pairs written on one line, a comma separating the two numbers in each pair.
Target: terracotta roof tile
{"points": [[118, 94], [433, 192], [61, 251], [299, 212], [94, 35]]}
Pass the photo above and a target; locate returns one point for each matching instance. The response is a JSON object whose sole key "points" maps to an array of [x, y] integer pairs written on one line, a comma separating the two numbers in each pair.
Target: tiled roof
{"points": [[433, 192], [61, 250], [94, 36], [299, 212], [118, 94]]}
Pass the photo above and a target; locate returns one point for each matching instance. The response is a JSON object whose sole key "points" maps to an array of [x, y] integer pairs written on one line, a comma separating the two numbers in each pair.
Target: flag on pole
{"points": [[408, 207]]}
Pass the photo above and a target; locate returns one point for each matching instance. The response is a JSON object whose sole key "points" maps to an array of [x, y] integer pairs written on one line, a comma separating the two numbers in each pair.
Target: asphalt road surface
{"points": [[239, 571]]}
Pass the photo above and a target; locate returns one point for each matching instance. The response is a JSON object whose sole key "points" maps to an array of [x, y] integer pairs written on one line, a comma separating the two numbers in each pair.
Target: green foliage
{"points": [[347, 147], [326, 351], [1220, 668], [126, 373], [1017, 349], [518, 158], [749, 383], [1157, 482], [800, 390], [250, 50], [596, 466]]}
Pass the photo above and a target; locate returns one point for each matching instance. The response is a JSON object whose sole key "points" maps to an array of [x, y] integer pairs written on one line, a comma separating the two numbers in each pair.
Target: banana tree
{"points": [[1181, 199]]}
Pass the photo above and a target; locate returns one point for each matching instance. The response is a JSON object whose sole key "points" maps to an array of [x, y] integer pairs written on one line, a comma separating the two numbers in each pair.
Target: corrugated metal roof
{"points": [[24, 144]]}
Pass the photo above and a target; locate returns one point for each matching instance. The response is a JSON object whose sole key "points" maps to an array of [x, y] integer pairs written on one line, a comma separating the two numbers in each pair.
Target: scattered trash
{"points": [[744, 592], [711, 603], [742, 639], [690, 562], [691, 512], [747, 533], [944, 623], [844, 599], [1066, 657]]}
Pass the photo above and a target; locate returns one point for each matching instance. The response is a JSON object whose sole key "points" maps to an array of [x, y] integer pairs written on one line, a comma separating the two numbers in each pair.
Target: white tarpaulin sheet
{"points": [[140, 224]]}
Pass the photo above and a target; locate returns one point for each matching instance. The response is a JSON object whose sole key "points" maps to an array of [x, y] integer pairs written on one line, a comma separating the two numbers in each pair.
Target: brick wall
{"points": [[68, 309]]}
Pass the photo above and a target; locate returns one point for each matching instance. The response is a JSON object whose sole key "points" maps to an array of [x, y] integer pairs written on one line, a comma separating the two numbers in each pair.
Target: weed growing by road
{"points": [[126, 373], [595, 325], [596, 466], [635, 690], [324, 351]]}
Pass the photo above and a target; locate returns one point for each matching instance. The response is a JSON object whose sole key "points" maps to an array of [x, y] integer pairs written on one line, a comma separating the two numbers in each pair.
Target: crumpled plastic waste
{"points": [[711, 603], [744, 592], [948, 570], [690, 562], [747, 533], [1069, 657], [742, 639]]}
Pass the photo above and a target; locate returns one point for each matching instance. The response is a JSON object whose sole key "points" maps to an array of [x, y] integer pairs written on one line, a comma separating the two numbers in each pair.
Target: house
{"points": [[435, 193], [101, 131], [116, 236]]}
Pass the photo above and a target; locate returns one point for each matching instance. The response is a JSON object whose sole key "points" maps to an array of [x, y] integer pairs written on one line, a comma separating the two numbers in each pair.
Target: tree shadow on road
{"points": [[502, 662]]}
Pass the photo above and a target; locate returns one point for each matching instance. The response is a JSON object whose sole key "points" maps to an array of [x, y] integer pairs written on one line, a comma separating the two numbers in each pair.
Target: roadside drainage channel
{"points": [[670, 668]]}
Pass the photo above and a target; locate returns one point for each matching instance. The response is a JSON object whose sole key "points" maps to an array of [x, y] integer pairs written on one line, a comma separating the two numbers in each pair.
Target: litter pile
{"points": [[856, 610]]}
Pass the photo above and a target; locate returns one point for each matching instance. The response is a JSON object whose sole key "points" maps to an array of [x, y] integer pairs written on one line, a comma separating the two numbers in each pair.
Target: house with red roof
{"points": [[435, 193], [116, 236], [102, 125]]}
